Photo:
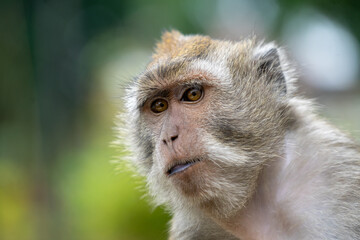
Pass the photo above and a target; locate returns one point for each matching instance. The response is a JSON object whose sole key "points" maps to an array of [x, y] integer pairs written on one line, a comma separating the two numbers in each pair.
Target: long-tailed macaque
{"points": [[230, 148]]}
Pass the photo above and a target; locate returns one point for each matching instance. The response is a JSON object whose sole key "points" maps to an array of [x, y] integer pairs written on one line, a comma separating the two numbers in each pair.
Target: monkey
{"points": [[233, 151]]}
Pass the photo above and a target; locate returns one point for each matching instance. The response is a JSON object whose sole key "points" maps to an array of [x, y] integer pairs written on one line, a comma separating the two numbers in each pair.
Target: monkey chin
{"points": [[210, 186], [188, 177]]}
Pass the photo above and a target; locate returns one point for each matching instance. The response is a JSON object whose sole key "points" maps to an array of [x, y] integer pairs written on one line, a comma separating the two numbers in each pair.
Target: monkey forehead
{"points": [[166, 75]]}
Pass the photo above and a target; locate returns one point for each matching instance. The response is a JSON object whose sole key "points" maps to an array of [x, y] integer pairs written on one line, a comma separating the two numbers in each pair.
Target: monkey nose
{"points": [[170, 139]]}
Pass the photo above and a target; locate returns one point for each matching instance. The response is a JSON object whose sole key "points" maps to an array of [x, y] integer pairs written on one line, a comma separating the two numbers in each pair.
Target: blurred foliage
{"points": [[59, 91]]}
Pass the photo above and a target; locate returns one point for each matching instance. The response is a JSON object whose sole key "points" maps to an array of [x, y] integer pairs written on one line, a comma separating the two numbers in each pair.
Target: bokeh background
{"points": [[63, 65]]}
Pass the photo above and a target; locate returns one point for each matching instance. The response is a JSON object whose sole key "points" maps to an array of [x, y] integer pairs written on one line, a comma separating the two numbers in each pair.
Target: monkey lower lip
{"points": [[181, 167]]}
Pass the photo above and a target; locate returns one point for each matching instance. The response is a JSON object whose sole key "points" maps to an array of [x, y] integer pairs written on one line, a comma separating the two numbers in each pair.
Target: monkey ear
{"points": [[169, 41], [269, 66]]}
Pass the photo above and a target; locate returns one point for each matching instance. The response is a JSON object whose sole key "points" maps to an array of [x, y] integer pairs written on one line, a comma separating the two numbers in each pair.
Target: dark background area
{"points": [[62, 68]]}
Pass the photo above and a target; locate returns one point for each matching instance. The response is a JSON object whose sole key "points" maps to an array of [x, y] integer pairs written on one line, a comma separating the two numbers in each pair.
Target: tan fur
{"points": [[266, 166], [175, 45]]}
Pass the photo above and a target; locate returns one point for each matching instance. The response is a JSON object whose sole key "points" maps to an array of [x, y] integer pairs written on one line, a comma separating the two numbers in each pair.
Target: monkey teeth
{"points": [[181, 167]]}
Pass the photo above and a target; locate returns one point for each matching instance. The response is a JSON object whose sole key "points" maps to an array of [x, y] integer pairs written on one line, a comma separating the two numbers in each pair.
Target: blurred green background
{"points": [[64, 65]]}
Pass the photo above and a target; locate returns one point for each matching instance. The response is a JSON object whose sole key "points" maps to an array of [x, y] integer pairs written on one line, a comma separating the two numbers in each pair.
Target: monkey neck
{"points": [[277, 206]]}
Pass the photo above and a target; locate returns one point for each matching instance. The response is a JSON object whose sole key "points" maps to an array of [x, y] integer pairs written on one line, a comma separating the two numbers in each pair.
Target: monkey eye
{"points": [[159, 105], [192, 94]]}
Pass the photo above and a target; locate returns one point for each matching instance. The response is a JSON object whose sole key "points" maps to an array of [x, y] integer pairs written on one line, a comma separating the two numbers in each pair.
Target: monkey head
{"points": [[205, 117]]}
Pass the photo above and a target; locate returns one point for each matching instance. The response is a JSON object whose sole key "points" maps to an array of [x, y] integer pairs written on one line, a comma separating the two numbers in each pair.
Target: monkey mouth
{"points": [[180, 167]]}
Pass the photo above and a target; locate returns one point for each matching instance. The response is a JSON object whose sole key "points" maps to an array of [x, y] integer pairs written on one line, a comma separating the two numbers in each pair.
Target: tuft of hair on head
{"points": [[169, 41], [175, 45]]}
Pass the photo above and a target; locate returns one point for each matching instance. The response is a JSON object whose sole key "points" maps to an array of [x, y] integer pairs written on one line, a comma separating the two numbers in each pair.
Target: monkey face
{"points": [[200, 131], [177, 121], [188, 160]]}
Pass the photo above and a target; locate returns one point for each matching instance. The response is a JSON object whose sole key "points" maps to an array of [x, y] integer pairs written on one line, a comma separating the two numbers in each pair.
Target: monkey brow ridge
{"points": [[160, 80]]}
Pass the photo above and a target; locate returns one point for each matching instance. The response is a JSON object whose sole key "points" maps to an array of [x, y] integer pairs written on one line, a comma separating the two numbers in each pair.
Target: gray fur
{"points": [[257, 126]]}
